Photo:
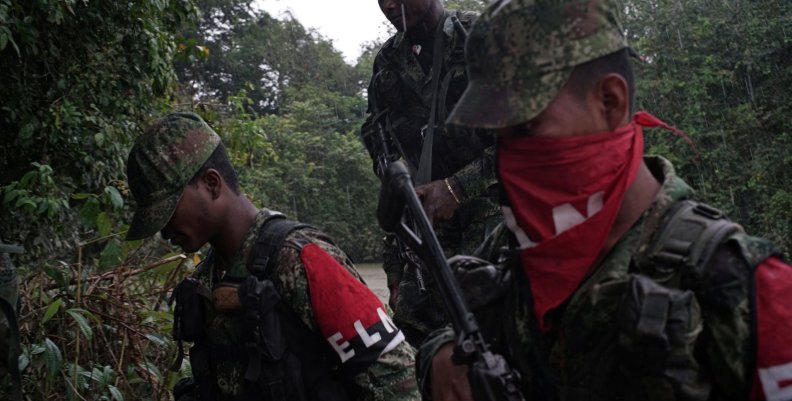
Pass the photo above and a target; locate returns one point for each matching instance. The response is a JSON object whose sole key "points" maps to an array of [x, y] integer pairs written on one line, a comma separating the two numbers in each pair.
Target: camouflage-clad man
{"points": [[615, 285], [274, 313], [9, 328], [418, 75]]}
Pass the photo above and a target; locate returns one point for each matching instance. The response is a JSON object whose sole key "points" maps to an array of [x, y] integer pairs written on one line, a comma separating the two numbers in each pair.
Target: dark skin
{"points": [[210, 211], [604, 107], [421, 18]]}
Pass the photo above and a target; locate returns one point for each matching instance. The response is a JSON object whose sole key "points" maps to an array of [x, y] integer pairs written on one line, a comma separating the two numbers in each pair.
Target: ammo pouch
{"points": [[188, 315], [286, 361], [658, 328]]}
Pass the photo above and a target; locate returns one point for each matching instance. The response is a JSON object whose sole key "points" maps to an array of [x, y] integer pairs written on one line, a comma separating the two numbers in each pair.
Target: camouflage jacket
{"points": [[390, 377], [610, 340], [402, 89]]}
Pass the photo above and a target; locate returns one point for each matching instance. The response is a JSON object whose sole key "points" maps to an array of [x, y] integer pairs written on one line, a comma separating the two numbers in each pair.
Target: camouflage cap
{"points": [[161, 163], [521, 52]]}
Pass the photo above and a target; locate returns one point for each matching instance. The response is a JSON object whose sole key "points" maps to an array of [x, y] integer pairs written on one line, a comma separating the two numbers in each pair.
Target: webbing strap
{"points": [[264, 255], [687, 236], [425, 165]]}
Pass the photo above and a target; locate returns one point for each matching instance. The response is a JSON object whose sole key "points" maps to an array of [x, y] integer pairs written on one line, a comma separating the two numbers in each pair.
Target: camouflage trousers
{"points": [[419, 306]]}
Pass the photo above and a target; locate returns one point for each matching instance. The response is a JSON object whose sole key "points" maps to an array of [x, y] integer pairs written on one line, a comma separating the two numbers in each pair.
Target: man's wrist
{"points": [[455, 188]]}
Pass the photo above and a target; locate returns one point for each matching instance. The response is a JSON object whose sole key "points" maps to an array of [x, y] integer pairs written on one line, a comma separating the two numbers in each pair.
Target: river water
{"points": [[375, 279]]}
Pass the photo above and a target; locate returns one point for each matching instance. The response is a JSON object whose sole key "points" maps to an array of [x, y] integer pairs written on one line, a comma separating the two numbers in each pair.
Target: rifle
{"points": [[383, 160], [399, 210]]}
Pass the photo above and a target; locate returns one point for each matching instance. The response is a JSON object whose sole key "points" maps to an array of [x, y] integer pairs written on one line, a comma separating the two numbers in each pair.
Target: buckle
{"points": [[708, 211]]}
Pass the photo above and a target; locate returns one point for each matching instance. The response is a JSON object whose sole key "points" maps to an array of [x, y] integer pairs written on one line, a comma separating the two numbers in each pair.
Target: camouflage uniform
{"points": [[160, 165], [668, 312], [391, 377], [596, 350], [9, 330], [401, 88]]}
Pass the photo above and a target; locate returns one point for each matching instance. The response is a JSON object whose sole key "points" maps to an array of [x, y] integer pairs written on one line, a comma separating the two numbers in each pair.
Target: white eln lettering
{"points": [[386, 321], [595, 203], [511, 223], [340, 347], [776, 382], [368, 340], [566, 216]]}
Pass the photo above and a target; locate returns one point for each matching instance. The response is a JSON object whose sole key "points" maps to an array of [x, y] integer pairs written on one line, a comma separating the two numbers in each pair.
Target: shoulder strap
{"points": [[425, 165], [264, 254], [687, 236]]}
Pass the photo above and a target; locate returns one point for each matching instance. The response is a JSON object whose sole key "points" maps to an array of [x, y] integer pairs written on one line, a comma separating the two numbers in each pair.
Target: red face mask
{"points": [[565, 194]]}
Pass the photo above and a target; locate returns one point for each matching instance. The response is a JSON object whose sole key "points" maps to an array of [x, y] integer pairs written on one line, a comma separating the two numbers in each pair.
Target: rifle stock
{"points": [[399, 210]]}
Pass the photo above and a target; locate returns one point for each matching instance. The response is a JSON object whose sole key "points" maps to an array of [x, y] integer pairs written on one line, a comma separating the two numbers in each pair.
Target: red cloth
{"points": [[349, 315], [773, 380], [564, 195]]}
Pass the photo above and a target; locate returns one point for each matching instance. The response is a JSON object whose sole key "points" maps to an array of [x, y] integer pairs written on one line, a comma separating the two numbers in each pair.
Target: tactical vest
{"points": [[283, 358], [633, 336]]}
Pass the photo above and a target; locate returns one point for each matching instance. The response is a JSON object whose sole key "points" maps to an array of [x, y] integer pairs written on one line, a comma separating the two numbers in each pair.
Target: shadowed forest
{"points": [[79, 81]]}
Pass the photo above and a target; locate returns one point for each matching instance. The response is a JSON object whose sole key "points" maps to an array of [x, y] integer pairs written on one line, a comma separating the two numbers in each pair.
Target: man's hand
{"points": [[449, 382], [394, 295], [438, 201]]}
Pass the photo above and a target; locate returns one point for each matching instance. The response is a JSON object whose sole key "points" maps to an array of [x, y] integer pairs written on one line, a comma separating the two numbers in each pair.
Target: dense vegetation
{"points": [[81, 79], [722, 71]]}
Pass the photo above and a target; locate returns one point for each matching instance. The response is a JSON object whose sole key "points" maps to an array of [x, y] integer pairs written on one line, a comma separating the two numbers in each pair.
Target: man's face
{"points": [[414, 12], [568, 114], [189, 227]]}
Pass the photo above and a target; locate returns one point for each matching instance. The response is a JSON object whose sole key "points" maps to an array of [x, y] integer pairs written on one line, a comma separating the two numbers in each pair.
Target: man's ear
{"points": [[213, 181], [614, 95]]}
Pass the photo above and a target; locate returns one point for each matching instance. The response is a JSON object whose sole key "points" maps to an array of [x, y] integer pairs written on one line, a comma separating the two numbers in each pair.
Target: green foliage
{"points": [[288, 109], [310, 165], [249, 50], [721, 71], [78, 79], [467, 5], [102, 332]]}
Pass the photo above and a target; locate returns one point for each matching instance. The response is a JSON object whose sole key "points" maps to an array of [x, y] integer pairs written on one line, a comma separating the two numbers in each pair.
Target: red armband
{"points": [[349, 315], [773, 380]]}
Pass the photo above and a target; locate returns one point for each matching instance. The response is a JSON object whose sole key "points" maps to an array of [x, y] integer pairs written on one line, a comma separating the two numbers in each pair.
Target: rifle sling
{"points": [[425, 165]]}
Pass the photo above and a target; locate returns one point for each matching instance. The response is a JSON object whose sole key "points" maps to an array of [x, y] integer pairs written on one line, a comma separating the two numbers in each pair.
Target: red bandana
{"points": [[565, 194]]}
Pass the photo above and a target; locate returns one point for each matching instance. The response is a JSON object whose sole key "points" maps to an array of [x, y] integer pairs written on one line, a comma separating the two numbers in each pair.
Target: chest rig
{"points": [[282, 358]]}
